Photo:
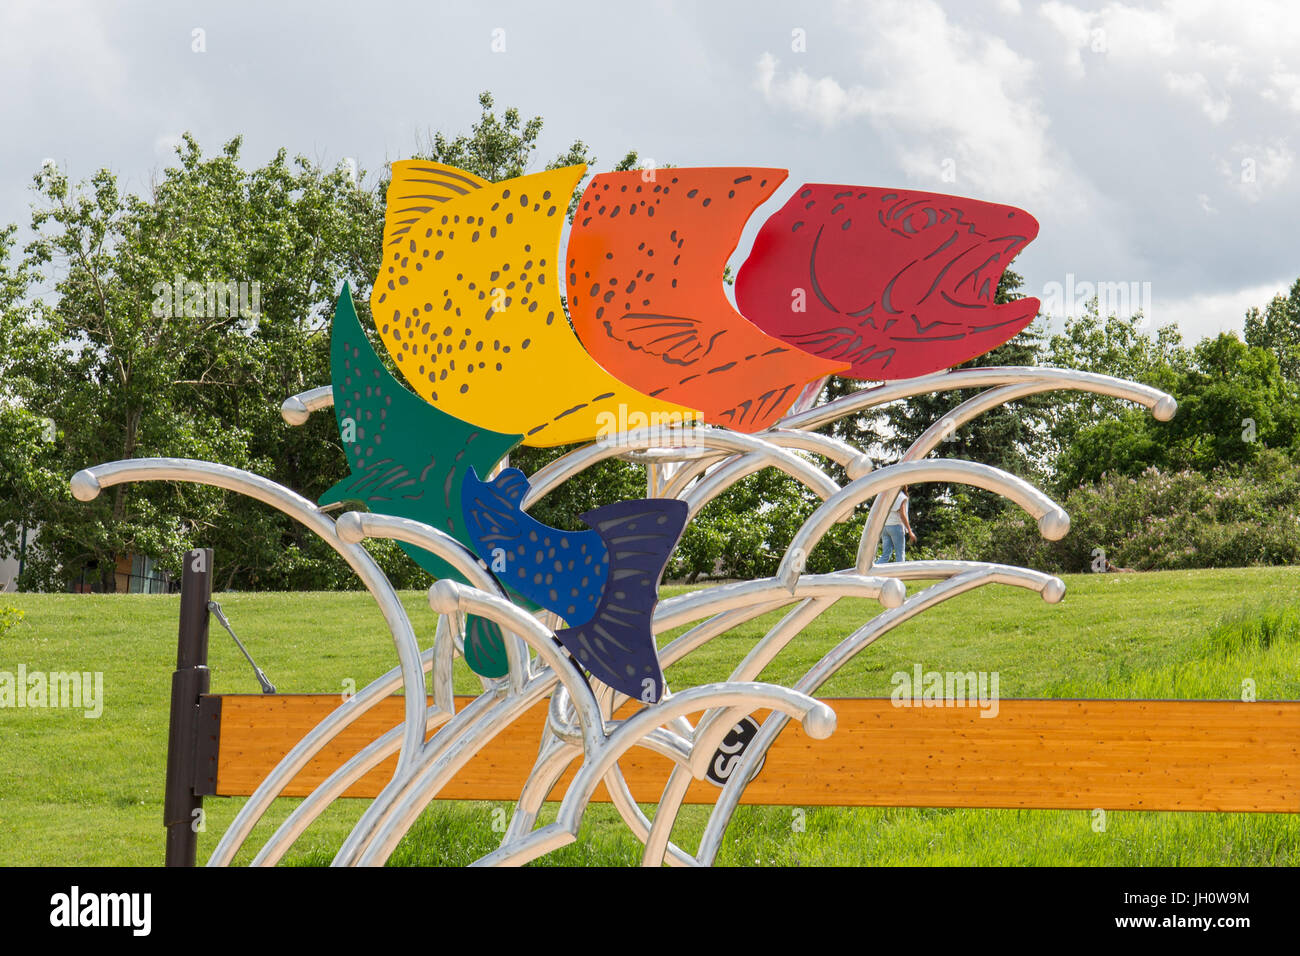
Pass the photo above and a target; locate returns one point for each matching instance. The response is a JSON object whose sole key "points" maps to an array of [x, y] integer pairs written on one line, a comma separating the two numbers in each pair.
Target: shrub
{"points": [[1158, 520], [10, 617]]}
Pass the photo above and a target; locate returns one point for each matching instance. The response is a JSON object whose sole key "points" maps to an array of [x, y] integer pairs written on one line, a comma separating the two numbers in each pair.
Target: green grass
{"points": [[78, 791]]}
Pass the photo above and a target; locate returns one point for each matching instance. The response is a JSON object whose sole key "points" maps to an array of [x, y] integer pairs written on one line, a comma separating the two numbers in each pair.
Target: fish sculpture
{"points": [[644, 264], [604, 582], [896, 282], [408, 459], [562, 571], [467, 302]]}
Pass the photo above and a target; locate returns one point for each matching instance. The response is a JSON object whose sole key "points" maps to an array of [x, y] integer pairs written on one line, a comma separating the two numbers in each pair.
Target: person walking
{"points": [[892, 546]]}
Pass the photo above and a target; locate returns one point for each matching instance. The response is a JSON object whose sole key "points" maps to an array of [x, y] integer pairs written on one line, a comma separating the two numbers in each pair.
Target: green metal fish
{"points": [[409, 459]]}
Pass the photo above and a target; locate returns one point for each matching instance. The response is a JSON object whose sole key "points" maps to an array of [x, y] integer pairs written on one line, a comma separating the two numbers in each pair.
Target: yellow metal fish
{"points": [[468, 304]]}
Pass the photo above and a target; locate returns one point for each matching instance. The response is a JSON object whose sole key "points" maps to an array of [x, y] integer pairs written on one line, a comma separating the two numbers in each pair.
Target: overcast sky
{"points": [[1154, 142]]}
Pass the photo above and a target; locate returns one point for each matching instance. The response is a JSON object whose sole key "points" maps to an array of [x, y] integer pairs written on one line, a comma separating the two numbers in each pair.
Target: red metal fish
{"points": [[897, 282]]}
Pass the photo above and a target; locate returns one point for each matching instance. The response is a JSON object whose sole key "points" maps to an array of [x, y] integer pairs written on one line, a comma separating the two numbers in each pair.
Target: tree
{"points": [[137, 350], [1117, 346], [1277, 329], [1233, 402], [178, 323]]}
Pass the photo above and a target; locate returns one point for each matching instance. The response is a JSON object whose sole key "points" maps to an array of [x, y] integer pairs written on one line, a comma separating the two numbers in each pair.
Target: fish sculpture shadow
{"points": [[408, 459], [603, 582]]}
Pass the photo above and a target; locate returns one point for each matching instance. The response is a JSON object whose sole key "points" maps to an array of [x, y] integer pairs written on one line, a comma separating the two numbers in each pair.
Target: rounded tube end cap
{"points": [[893, 593], [820, 721], [84, 485], [444, 597], [349, 527], [859, 467], [293, 411], [1165, 409], [1053, 591], [1054, 525]]}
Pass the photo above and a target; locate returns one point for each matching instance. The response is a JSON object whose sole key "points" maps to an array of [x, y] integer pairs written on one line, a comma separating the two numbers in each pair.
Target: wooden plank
{"points": [[1062, 754]]}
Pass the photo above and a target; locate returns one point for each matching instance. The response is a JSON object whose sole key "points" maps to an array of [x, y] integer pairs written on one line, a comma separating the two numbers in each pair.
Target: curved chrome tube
{"points": [[356, 526], [1053, 522], [817, 675], [1162, 405], [296, 408], [1163, 408], [557, 472], [87, 484], [476, 724], [817, 718], [855, 462]]}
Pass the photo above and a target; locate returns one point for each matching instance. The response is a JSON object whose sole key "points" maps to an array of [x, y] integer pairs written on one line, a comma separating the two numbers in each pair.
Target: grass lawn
{"points": [[83, 792]]}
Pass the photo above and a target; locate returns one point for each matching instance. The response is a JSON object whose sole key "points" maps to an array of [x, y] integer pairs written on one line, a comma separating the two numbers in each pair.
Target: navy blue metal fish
{"points": [[617, 644], [604, 583]]}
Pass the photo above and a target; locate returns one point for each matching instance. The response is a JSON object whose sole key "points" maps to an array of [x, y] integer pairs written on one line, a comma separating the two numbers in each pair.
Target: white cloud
{"points": [[1205, 314], [1257, 170], [1196, 87], [946, 97], [1283, 88], [1226, 45], [1075, 27], [77, 52]]}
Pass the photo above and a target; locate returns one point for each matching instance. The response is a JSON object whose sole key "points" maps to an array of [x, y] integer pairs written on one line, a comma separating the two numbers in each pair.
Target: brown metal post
{"points": [[189, 682]]}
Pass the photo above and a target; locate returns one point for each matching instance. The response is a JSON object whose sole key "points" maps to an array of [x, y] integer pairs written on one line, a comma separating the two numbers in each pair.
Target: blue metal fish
{"points": [[617, 645], [603, 582], [562, 571]]}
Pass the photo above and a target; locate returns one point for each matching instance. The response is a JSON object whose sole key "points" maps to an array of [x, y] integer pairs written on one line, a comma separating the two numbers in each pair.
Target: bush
{"points": [[10, 617], [1158, 521]]}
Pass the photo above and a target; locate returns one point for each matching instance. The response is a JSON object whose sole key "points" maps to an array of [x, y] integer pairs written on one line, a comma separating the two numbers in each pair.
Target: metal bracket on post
{"points": [[183, 807]]}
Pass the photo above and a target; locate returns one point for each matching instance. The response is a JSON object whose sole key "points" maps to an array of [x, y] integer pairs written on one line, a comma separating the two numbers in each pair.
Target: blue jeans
{"points": [[892, 542]]}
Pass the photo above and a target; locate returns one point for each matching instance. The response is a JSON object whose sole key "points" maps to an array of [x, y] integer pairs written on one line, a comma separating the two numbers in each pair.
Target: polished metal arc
{"points": [[348, 773], [467, 732], [296, 409], [1159, 402], [89, 482], [715, 725], [1053, 522], [855, 462], [386, 820], [683, 608], [812, 680], [544, 480], [817, 718], [356, 526]]}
